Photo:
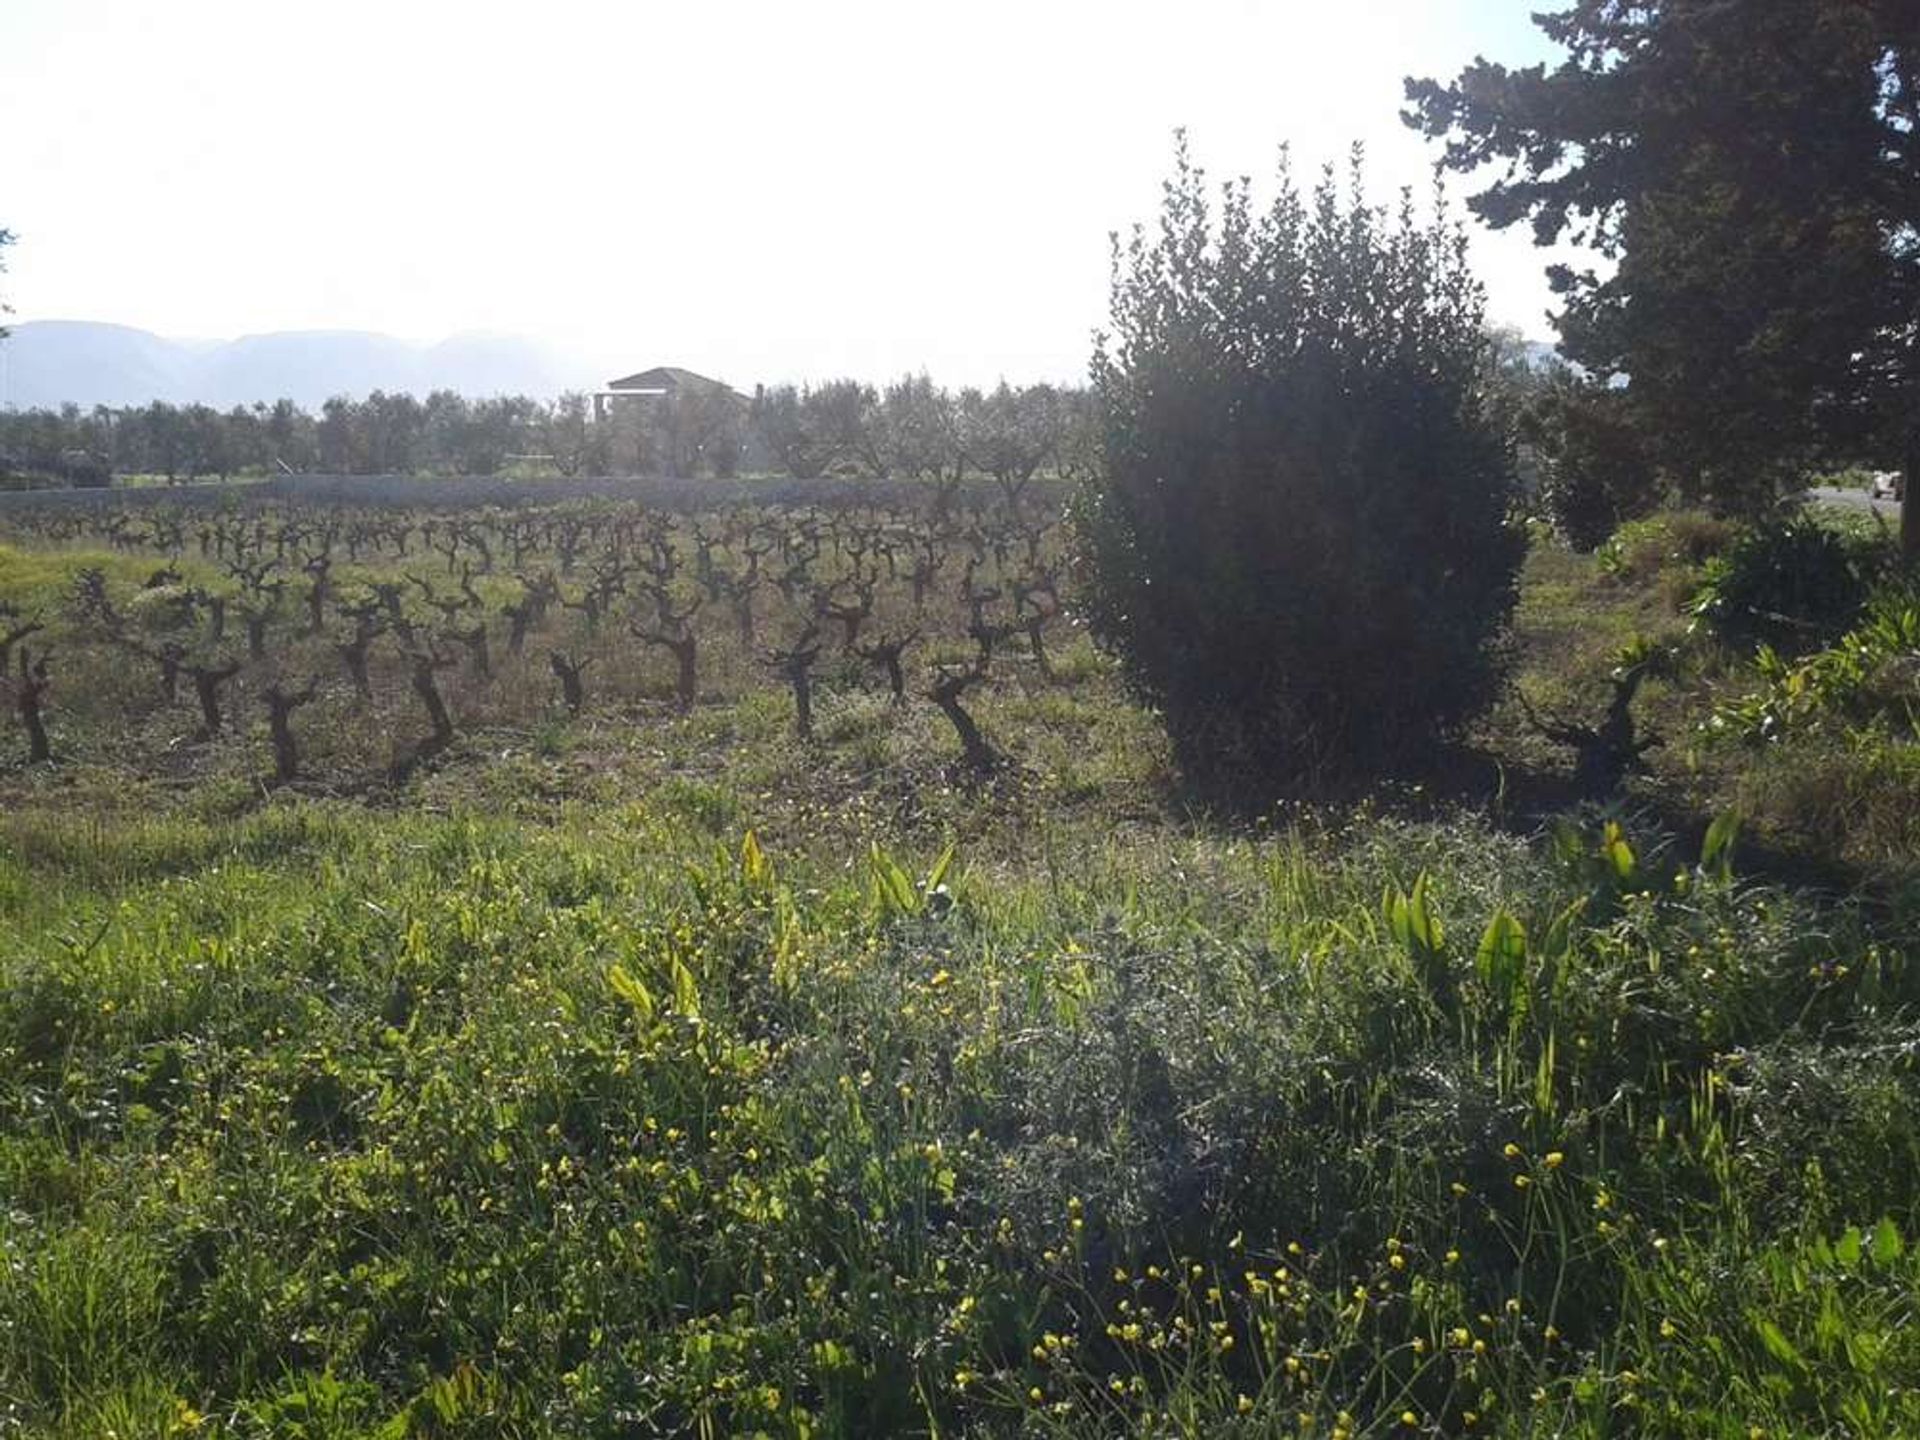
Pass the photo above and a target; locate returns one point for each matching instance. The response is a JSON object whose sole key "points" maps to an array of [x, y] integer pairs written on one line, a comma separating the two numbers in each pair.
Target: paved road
{"points": [[1855, 500]]}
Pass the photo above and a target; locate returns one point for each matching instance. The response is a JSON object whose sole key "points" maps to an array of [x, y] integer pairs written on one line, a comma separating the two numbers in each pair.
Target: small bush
{"points": [[1791, 583], [1301, 545], [1868, 680], [1596, 470], [1641, 549]]}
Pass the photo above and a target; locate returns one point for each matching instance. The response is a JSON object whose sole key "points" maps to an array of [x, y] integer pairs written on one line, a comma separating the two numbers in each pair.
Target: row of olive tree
{"points": [[912, 428], [380, 434]]}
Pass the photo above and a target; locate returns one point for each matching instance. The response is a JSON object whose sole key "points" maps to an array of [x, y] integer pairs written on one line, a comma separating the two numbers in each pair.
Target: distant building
{"points": [[671, 421], [661, 382]]}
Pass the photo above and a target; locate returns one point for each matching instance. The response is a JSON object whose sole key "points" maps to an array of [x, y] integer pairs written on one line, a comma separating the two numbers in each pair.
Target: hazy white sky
{"points": [[757, 190]]}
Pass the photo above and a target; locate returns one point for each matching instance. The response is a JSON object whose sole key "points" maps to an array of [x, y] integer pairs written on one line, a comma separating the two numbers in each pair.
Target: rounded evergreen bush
{"points": [[1597, 472], [1789, 582], [1301, 541]]}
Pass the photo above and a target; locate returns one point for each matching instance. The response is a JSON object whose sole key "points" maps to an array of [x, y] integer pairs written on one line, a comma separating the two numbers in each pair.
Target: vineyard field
{"points": [[739, 962]]}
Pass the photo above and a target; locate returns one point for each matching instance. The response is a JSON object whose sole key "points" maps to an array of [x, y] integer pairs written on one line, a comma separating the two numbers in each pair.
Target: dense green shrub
{"points": [[1596, 471], [1869, 679], [1665, 553], [1791, 583], [1301, 544]]}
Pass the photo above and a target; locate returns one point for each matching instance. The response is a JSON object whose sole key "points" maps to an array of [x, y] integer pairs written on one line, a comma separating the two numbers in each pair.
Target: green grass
{"points": [[646, 1074], [534, 1127], [1825, 796]]}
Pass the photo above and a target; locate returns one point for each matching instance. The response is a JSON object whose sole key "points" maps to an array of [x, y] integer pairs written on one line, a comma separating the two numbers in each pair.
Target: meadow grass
{"points": [[656, 1074], [325, 1123]]}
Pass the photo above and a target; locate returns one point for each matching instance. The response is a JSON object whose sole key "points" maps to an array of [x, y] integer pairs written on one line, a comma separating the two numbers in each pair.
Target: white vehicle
{"points": [[1887, 485]]}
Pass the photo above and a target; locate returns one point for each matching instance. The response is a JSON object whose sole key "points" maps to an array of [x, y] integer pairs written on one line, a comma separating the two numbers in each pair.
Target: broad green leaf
{"points": [[1412, 922], [1502, 957], [686, 992], [1393, 906], [896, 888], [1716, 851], [939, 871], [1775, 1339], [1847, 1249], [632, 991], [1616, 849], [1887, 1245], [755, 868], [1559, 937], [1569, 841], [1427, 930], [1543, 1073]]}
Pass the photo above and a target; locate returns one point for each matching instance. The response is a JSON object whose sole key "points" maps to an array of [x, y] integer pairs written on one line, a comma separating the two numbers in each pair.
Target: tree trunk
{"points": [[1035, 624], [317, 603], [33, 685], [170, 661], [13, 637], [475, 641], [685, 684], [519, 617], [286, 753], [802, 683], [38, 749], [354, 655], [572, 693], [428, 690], [206, 689], [979, 755]]}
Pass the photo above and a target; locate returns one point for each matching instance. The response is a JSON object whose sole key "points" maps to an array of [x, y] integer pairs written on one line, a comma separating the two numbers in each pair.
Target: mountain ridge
{"points": [[48, 363]]}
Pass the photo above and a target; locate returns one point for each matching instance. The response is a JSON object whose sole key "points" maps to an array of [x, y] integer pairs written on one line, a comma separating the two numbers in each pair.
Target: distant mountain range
{"points": [[51, 362]]}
